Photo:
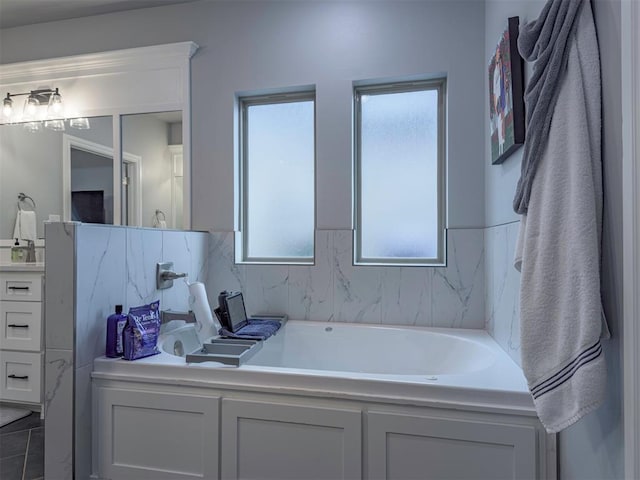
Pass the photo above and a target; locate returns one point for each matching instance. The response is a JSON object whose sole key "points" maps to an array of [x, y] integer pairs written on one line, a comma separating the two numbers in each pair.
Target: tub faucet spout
{"points": [[168, 315]]}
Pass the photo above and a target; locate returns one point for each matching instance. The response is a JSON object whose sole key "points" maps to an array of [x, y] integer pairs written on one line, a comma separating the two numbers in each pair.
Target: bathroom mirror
{"points": [[152, 170], [72, 173], [88, 186], [49, 166], [102, 87]]}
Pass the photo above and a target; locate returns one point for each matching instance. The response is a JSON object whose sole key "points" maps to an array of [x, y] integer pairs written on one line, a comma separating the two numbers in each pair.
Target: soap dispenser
{"points": [[18, 253]]}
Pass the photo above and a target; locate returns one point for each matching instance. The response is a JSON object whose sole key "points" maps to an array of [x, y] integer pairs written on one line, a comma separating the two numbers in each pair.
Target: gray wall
{"points": [[175, 133], [253, 46], [501, 180], [248, 46], [28, 166], [593, 448]]}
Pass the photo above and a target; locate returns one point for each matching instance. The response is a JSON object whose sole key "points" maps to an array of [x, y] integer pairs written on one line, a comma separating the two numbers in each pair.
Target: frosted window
{"points": [[279, 211], [399, 176]]}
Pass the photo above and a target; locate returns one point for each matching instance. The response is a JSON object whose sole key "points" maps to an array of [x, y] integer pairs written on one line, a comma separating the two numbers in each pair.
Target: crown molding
{"points": [[167, 55]]}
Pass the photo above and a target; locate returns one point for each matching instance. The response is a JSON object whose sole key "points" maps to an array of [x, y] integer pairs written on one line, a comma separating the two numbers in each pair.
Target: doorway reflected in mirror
{"points": [[91, 187], [156, 140], [88, 206]]}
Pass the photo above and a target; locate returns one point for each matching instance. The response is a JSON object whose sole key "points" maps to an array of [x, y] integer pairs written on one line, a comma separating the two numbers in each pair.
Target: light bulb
{"points": [[31, 106], [55, 125], [81, 123], [7, 106], [33, 126], [55, 105]]}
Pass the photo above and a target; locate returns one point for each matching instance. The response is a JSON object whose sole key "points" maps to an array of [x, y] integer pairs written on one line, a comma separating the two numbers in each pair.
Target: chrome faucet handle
{"points": [[165, 275], [169, 275]]}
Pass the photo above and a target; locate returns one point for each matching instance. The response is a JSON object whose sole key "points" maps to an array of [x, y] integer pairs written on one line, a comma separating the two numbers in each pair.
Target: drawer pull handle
{"points": [[18, 288], [13, 325], [19, 377]]}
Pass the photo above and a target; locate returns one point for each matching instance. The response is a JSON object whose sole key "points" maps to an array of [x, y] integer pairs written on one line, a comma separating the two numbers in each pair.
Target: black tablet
{"points": [[236, 312]]}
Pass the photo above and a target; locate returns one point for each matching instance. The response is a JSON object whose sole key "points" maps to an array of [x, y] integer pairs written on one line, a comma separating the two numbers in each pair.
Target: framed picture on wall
{"points": [[506, 101]]}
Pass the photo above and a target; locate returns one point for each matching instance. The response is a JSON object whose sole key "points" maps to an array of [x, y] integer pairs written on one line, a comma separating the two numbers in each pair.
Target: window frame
{"points": [[439, 85], [244, 102]]}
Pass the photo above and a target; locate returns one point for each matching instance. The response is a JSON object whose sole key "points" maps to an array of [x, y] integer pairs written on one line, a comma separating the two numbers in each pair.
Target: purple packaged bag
{"points": [[140, 335]]}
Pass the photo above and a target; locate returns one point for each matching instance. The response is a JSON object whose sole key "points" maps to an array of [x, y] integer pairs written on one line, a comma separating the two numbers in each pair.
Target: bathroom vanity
{"points": [[21, 333]]}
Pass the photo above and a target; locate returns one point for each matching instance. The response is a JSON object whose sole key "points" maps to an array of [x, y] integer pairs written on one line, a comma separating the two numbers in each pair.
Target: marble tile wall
{"points": [[58, 359], [335, 290], [104, 266], [502, 287]]}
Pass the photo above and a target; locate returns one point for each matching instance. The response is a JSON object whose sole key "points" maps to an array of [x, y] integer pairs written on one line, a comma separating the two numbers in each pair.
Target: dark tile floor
{"points": [[22, 449]]}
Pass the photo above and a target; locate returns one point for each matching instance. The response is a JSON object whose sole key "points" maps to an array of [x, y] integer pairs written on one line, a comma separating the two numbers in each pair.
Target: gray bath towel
{"points": [[558, 249], [547, 42]]}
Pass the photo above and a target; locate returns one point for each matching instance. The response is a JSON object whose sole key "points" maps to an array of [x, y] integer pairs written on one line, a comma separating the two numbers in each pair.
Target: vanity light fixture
{"points": [[33, 115], [35, 99]]}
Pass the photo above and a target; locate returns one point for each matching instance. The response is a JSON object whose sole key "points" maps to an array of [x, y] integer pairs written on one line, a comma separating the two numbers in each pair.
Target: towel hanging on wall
{"points": [[558, 250], [545, 41], [25, 227]]}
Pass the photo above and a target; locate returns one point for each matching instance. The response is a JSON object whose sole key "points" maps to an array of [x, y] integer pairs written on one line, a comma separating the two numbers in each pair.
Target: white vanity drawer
{"points": [[21, 324], [26, 287], [20, 376]]}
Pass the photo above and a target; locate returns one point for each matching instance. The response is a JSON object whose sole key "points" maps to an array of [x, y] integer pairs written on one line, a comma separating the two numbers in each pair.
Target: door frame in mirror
{"points": [[69, 142], [134, 201], [177, 159]]}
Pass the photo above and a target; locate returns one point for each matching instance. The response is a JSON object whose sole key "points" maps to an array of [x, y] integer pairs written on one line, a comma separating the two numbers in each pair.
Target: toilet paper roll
{"points": [[206, 326]]}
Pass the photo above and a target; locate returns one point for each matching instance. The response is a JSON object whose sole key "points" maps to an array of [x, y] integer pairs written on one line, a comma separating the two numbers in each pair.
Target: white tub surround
{"points": [[414, 422], [408, 364]]}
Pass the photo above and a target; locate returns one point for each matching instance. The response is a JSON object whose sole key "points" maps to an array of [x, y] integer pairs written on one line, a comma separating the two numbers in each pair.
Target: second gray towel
{"points": [[545, 42]]}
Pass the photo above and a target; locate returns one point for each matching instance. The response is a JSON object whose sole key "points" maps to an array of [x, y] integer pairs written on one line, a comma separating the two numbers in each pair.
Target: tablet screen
{"points": [[236, 310]]}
